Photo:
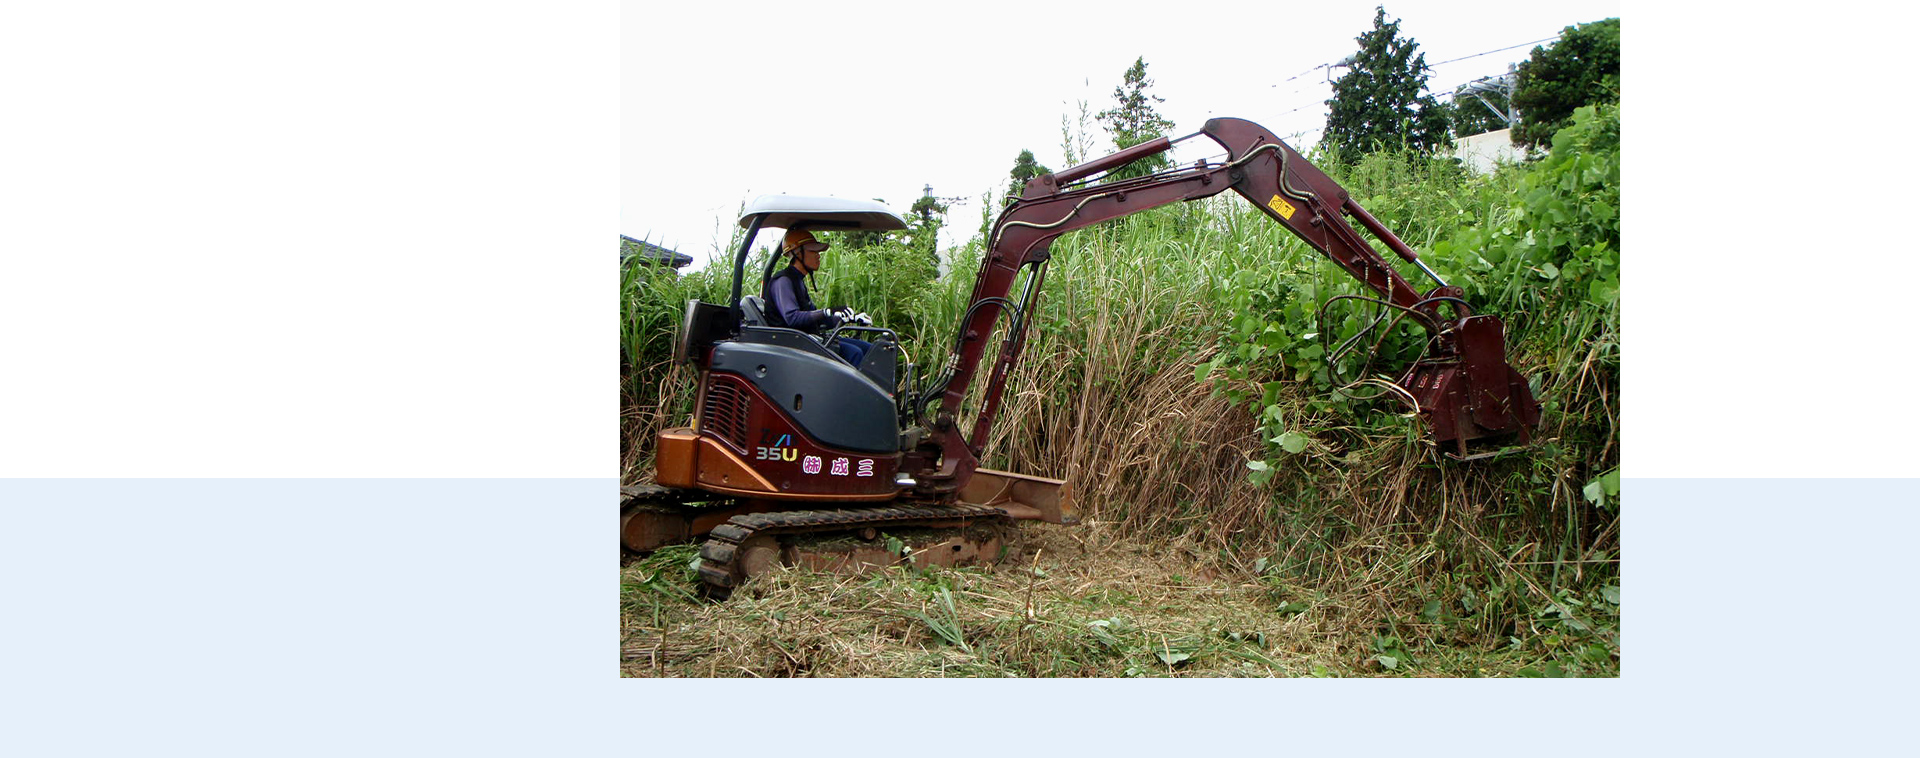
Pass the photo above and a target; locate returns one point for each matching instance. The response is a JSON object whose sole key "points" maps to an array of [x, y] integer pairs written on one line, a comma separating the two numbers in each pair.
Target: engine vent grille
{"points": [[725, 413]]}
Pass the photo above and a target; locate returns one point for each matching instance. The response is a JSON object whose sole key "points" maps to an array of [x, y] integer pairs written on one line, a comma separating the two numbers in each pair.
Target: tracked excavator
{"points": [[790, 443]]}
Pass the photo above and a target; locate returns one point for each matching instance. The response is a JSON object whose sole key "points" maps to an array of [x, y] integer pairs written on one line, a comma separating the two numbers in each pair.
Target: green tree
{"points": [[1583, 68], [1024, 168], [1378, 102], [1133, 120]]}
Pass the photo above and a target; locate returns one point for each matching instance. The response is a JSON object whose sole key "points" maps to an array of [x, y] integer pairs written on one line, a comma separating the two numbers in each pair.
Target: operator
{"points": [[794, 309]]}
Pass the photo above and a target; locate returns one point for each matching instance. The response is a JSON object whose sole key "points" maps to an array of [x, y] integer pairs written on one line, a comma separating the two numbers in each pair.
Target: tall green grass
{"points": [[654, 393]]}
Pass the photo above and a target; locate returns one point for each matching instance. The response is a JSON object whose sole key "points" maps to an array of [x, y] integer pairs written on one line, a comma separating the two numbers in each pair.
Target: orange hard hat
{"points": [[797, 239]]}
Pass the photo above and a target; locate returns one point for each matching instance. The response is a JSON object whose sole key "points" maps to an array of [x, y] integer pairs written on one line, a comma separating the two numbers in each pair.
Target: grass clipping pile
{"points": [[1064, 602]]}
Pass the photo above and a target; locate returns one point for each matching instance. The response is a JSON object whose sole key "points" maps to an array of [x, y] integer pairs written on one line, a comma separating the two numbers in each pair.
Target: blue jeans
{"points": [[852, 349]]}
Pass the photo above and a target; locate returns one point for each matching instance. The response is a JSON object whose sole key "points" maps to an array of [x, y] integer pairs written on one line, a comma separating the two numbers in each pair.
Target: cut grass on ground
{"points": [[1068, 602]]}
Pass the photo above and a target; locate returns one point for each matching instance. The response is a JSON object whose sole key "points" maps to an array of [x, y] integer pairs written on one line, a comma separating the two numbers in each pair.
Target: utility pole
{"points": [[926, 206], [926, 222], [1502, 85]]}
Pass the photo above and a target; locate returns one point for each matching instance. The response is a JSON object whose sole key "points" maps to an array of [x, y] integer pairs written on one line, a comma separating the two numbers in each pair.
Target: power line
{"points": [[1490, 52], [1428, 67], [1301, 108], [1304, 73]]}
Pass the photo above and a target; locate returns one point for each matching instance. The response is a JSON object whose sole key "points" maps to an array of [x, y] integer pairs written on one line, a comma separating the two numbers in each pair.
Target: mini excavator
{"points": [[789, 441]]}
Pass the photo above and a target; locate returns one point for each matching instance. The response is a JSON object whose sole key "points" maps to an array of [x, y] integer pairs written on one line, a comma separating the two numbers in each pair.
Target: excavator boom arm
{"points": [[1260, 167]]}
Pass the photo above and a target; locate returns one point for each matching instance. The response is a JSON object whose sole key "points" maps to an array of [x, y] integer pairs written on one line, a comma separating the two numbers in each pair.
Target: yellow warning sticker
{"points": [[1281, 206]]}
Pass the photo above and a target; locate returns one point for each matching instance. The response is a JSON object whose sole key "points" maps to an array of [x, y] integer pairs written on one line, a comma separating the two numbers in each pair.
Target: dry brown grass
{"points": [[1119, 416], [656, 407]]}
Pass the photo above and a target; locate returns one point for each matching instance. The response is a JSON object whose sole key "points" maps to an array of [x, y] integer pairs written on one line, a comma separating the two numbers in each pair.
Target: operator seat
{"points": [[882, 363], [752, 312]]}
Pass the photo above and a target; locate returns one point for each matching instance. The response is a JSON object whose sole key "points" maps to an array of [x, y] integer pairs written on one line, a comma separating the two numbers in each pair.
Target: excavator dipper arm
{"points": [[1287, 188]]}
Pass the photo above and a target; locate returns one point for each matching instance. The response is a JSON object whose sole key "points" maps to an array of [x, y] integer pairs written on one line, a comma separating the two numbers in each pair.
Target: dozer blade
{"points": [[847, 539], [979, 529], [1022, 496]]}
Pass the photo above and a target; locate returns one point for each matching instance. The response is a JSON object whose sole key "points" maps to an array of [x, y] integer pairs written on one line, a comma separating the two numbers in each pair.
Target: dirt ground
{"points": [[1063, 602]]}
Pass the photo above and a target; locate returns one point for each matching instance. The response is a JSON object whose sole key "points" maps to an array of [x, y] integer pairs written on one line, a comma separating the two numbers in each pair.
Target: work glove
{"points": [[861, 319], [841, 312]]}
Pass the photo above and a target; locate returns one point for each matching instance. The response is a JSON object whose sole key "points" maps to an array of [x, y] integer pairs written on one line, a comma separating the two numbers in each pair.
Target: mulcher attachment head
{"points": [[1468, 393]]}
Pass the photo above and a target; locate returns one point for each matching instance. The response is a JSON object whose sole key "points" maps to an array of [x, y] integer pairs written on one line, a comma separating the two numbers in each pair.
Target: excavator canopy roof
{"points": [[830, 213]]}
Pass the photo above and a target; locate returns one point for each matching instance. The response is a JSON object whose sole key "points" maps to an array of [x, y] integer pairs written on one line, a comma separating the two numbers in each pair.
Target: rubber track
{"points": [[723, 543]]}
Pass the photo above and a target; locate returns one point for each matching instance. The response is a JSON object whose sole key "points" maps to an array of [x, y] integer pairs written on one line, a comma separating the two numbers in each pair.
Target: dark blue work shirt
{"points": [[792, 307]]}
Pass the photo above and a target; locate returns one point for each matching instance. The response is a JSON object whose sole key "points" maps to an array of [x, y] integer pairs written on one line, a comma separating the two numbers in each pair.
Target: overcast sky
{"points": [[728, 101]]}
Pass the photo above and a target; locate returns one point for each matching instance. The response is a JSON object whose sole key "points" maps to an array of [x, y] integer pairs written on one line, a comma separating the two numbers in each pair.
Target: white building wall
{"points": [[1481, 152]]}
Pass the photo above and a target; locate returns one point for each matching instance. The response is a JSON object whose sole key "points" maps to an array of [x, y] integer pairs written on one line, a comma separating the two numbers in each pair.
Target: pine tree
{"points": [[1134, 120], [1378, 102], [924, 231], [1024, 168]]}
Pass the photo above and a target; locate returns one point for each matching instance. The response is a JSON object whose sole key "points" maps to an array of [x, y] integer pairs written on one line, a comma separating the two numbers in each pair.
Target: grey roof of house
{"points": [[631, 247]]}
